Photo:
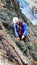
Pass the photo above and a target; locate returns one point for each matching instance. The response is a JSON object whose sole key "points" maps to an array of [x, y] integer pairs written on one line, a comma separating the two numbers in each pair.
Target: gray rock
{"points": [[6, 15]]}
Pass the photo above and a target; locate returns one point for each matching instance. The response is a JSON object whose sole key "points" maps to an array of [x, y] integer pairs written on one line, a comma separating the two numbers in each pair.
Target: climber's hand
{"points": [[22, 37], [18, 39]]}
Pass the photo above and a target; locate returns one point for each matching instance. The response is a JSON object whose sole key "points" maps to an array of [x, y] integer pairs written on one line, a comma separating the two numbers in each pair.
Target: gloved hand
{"points": [[22, 37]]}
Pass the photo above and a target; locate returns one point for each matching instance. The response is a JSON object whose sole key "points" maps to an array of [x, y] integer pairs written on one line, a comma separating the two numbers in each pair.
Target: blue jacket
{"points": [[24, 29]]}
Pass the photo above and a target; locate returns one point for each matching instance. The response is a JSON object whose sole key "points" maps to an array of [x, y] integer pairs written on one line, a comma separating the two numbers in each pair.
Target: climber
{"points": [[20, 28]]}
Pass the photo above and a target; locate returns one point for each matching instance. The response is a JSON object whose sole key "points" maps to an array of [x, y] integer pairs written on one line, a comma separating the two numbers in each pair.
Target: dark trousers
{"points": [[20, 36]]}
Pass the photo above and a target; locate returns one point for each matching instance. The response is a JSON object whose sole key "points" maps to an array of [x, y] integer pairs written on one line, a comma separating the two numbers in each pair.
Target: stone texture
{"points": [[28, 47], [33, 5]]}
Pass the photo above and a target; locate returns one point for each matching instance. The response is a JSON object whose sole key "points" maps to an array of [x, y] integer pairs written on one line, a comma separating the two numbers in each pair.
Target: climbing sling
{"points": [[20, 30]]}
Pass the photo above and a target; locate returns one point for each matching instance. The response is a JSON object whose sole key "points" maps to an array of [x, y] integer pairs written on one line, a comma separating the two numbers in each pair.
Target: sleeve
{"points": [[15, 30], [25, 29]]}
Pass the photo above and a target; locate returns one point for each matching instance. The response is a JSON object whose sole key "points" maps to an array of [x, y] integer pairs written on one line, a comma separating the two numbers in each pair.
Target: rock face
{"points": [[9, 9], [5, 61], [33, 5]]}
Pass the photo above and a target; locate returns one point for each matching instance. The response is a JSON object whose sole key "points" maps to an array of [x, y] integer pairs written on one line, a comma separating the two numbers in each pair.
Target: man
{"points": [[20, 28]]}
